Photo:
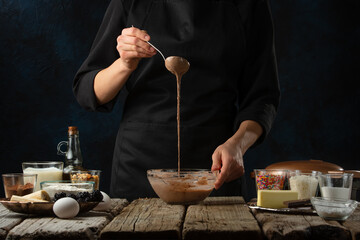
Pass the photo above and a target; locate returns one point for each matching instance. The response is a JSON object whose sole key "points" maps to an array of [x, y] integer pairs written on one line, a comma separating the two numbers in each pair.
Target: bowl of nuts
{"points": [[86, 176]]}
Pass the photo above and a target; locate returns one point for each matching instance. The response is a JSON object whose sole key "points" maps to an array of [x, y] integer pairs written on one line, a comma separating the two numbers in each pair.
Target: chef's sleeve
{"points": [[259, 91], [102, 54]]}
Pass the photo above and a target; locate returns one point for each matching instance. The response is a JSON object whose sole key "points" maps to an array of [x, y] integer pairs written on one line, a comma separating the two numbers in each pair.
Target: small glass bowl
{"points": [[333, 209], [190, 187], [78, 176], [305, 183], [52, 187], [19, 184], [271, 179]]}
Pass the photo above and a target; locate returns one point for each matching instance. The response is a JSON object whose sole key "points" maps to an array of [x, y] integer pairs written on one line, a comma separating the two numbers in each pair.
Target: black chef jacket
{"points": [[232, 78]]}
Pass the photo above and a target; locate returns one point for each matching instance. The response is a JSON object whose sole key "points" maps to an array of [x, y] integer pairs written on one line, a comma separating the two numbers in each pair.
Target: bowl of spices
{"points": [[19, 184]]}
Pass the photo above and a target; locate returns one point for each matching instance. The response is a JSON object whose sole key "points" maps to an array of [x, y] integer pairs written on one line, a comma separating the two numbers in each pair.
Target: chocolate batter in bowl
{"points": [[190, 187]]}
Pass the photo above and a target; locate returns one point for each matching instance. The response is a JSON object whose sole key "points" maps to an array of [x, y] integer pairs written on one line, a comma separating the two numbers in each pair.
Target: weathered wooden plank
{"points": [[353, 224], [321, 229], [84, 226], [8, 220], [117, 206], [220, 218], [297, 226], [146, 219], [223, 200]]}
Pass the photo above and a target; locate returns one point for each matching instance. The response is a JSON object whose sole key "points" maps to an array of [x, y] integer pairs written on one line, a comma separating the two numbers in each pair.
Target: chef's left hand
{"points": [[228, 158]]}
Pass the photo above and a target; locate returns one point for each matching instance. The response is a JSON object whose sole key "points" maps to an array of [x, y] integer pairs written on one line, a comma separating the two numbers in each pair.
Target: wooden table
{"points": [[84, 226], [216, 218]]}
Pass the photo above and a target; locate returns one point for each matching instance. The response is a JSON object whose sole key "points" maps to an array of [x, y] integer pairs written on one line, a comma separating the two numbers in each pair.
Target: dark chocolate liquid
{"points": [[177, 66], [178, 81]]}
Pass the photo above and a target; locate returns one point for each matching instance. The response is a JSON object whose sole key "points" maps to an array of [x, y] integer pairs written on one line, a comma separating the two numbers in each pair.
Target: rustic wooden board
{"points": [[146, 219], [353, 224], [8, 220], [223, 200], [84, 226], [297, 226], [220, 218], [117, 205]]}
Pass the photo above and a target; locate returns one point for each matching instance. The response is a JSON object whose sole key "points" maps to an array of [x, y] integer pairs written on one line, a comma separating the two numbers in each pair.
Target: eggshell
{"points": [[66, 207], [105, 204]]}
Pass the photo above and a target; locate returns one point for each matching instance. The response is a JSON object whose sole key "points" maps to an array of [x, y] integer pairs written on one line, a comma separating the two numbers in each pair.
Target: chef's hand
{"points": [[132, 46], [228, 158]]}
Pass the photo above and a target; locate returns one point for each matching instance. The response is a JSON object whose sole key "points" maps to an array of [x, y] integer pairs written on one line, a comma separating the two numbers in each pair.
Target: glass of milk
{"points": [[336, 185], [46, 171]]}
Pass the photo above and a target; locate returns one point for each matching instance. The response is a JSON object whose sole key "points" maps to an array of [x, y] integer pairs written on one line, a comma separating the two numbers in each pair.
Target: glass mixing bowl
{"points": [[66, 186], [189, 187], [333, 209]]}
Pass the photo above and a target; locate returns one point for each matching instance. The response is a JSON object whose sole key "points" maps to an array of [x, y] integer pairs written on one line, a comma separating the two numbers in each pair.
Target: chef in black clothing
{"points": [[229, 96]]}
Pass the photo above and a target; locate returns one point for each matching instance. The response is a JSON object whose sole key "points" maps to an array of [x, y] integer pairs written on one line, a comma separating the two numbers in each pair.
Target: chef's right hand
{"points": [[132, 46]]}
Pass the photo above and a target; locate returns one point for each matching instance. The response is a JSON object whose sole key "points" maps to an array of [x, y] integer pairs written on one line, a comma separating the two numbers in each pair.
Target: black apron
{"points": [[209, 35]]}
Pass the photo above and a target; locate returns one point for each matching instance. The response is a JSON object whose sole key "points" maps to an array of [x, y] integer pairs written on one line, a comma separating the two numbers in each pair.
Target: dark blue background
{"points": [[43, 43]]}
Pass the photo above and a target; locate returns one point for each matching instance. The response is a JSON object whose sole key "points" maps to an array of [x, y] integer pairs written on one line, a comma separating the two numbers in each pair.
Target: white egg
{"points": [[66, 207], [105, 204]]}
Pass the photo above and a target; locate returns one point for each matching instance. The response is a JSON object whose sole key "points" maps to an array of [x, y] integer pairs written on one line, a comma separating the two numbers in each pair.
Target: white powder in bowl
{"points": [[305, 185], [68, 189], [333, 213], [331, 209]]}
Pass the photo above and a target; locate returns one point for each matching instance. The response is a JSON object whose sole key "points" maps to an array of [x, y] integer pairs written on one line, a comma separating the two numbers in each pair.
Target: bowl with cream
{"points": [[187, 186]]}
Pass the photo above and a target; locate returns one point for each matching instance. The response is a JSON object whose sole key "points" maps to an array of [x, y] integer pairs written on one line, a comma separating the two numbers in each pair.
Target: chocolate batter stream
{"points": [[177, 66]]}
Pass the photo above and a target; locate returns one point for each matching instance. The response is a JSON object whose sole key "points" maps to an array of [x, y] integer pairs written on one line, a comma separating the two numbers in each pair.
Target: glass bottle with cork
{"points": [[73, 157]]}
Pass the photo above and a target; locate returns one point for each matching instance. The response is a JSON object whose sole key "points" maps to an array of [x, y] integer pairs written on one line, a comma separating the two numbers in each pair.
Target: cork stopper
{"points": [[72, 130]]}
